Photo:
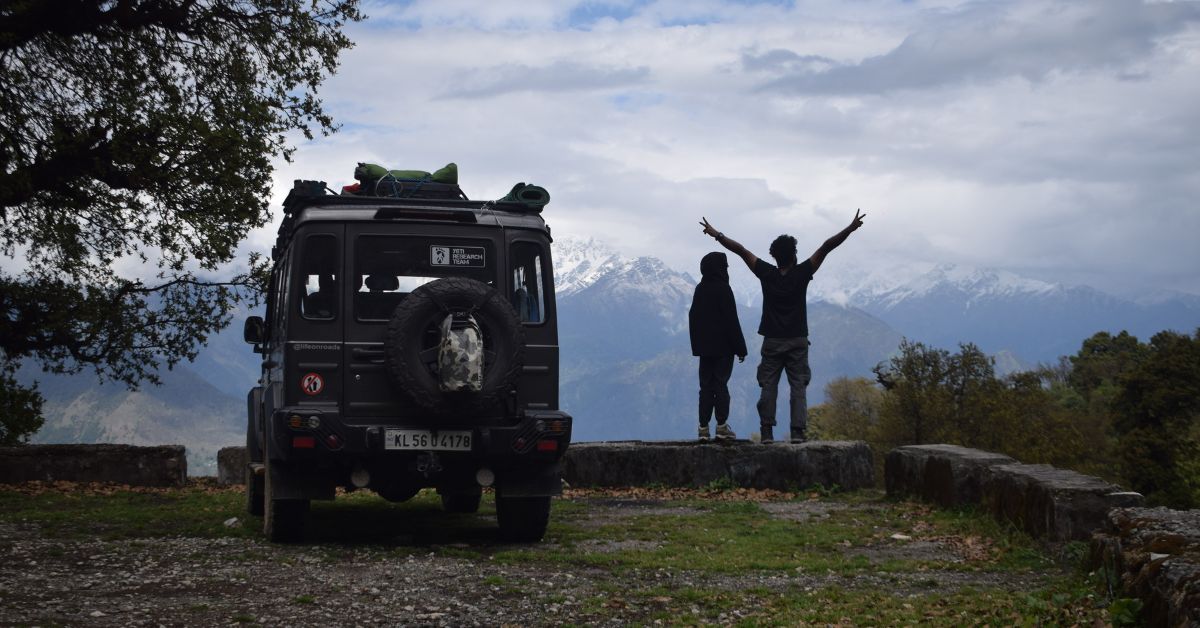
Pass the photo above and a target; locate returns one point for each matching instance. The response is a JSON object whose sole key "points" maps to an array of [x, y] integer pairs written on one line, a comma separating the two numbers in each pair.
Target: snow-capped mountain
{"points": [[998, 310], [579, 263], [890, 285], [944, 305], [599, 286]]}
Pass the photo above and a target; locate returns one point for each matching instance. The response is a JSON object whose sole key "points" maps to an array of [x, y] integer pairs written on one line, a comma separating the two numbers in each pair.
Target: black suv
{"points": [[364, 292]]}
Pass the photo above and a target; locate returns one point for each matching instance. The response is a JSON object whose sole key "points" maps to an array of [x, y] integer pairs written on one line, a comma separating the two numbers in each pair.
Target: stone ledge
{"points": [[164, 465], [1050, 503], [1155, 552], [847, 465], [1054, 504], [947, 475]]}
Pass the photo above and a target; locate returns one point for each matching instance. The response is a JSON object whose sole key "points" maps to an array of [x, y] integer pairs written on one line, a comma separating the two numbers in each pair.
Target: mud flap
{"points": [[540, 481], [287, 483]]}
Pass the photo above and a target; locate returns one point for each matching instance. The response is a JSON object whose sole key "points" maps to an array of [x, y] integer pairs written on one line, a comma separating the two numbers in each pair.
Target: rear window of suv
{"points": [[387, 268]]}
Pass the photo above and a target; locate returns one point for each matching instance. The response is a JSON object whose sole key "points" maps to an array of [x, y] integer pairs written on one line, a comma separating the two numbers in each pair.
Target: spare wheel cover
{"points": [[432, 302]]}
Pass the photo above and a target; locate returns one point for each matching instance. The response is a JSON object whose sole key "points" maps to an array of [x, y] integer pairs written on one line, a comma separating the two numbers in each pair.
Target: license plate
{"points": [[428, 440]]}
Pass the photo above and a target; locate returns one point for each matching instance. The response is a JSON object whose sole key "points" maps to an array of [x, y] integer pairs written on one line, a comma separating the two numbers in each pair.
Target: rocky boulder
{"points": [[1155, 555]]}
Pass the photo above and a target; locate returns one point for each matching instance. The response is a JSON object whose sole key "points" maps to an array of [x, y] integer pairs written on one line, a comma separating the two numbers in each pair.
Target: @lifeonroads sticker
{"points": [[457, 256], [312, 384]]}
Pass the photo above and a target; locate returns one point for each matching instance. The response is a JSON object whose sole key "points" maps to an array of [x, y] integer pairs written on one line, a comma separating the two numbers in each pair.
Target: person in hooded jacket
{"points": [[716, 338]]}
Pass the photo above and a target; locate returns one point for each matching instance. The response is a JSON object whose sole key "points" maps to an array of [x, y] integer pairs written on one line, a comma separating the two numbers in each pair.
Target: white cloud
{"points": [[1054, 139]]}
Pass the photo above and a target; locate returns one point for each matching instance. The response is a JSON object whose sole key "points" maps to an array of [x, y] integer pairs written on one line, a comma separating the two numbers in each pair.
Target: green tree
{"points": [[1031, 425], [850, 411], [1158, 418], [1101, 361], [136, 143], [20, 409], [978, 396], [919, 405]]}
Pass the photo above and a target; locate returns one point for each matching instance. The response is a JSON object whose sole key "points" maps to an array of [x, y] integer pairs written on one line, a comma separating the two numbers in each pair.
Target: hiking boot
{"points": [[704, 432], [799, 437], [766, 435], [724, 432]]}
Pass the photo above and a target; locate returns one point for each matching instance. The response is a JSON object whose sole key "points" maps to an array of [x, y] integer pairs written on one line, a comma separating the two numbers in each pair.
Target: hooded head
{"points": [[714, 267]]}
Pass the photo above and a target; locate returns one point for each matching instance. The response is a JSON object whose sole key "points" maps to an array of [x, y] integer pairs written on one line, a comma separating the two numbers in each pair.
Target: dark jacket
{"points": [[713, 320]]}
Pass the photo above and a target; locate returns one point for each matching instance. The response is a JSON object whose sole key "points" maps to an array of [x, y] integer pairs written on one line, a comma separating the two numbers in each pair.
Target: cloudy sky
{"points": [[1056, 140]]}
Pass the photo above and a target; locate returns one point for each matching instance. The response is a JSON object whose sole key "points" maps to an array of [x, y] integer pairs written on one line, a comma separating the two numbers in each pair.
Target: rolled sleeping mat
{"points": [[531, 195]]}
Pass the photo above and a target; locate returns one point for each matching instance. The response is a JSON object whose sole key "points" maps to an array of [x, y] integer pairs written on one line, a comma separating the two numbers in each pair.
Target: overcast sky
{"points": [[1056, 140]]}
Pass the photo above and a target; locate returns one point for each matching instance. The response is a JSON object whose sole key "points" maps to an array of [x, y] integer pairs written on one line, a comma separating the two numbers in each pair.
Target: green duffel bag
{"points": [[374, 172]]}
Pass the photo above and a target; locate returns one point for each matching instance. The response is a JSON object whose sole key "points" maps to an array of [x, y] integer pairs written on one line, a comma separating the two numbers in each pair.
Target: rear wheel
{"points": [[283, 519], [462, 501], [523, 519]]}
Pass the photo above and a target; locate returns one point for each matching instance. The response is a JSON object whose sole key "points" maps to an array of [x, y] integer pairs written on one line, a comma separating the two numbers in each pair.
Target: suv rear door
{"points": [[384, 263]]}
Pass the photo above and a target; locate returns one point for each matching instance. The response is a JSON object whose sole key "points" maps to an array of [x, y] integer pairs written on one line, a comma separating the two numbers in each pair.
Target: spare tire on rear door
{"points": [[414, 334]]}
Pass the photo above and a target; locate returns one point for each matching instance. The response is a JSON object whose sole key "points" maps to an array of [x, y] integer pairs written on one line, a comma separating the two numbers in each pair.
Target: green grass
{"points": [[725, 537], [129, 515]]}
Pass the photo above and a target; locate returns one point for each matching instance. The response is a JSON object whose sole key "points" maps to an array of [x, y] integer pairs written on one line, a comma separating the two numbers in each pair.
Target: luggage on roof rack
{"points": [[375, 180]]}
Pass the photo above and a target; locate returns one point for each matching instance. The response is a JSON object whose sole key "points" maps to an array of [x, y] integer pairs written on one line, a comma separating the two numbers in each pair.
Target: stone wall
{"points": [[164, 465], [947, 475], [1054, 504], [231, 465], [783, 466], [1155, 555]]}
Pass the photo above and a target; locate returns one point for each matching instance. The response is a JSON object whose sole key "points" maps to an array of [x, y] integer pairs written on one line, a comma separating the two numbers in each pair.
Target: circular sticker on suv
{"points": [[312, 384]]}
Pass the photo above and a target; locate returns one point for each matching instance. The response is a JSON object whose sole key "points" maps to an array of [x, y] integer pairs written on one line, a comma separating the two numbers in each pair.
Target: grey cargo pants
{"points": [[778, 355]]}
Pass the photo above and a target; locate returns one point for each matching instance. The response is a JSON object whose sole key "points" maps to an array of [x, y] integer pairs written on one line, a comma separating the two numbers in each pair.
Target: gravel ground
{"points": [[229, 581]]}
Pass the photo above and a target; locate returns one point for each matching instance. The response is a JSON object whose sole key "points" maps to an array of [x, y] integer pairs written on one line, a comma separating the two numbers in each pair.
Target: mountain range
{"points": [[626, 367]]}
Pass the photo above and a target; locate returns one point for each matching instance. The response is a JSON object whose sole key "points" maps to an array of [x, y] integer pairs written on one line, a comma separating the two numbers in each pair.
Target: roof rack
{"points": [[438, 201]]}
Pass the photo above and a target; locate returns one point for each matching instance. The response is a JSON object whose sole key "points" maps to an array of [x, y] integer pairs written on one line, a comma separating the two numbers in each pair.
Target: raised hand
{"points": [[708, 229], [858, 220]]}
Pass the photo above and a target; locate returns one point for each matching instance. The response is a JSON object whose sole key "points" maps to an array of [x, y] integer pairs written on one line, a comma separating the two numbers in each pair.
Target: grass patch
{"points": [[121, 514], [843, 534], [758, 606]]}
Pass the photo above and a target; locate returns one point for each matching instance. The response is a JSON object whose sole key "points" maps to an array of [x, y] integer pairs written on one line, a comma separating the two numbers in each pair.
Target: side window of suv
{"points": [[318, 279], [528, 290]]}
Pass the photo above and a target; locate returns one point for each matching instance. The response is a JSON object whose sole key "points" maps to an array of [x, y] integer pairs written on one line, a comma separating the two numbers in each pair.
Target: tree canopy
{"points": [[1121, 409], [136, 148]]}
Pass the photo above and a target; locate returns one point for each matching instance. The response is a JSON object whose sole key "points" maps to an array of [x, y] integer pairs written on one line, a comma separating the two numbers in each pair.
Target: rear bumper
{"points": [[313, 436]]}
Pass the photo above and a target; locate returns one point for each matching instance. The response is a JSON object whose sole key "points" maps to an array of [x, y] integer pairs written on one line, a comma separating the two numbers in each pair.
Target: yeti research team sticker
{"points": [[457, 256], [312, 384]]}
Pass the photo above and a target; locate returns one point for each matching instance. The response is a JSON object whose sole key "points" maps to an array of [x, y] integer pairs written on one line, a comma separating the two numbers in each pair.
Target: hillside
{"points": [[185, 410]]}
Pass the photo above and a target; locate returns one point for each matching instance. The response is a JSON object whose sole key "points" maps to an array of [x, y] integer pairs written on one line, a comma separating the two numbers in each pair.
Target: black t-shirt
{"points": [[785, 314]]}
